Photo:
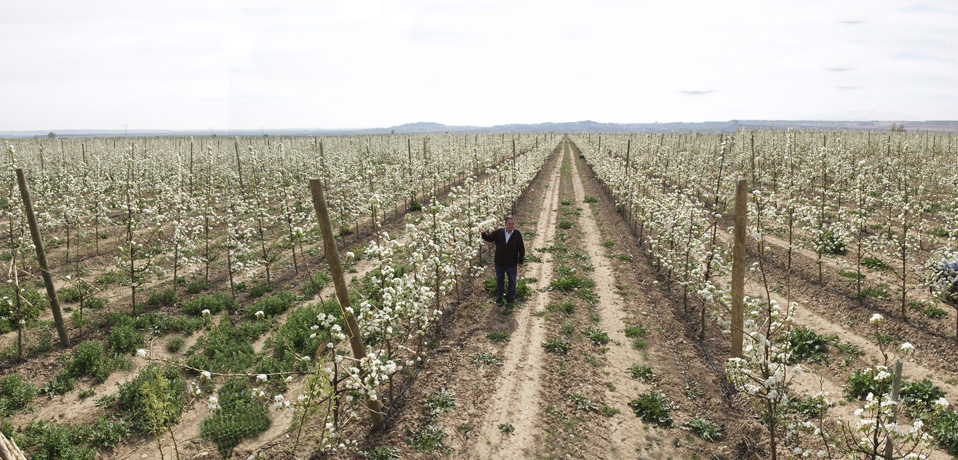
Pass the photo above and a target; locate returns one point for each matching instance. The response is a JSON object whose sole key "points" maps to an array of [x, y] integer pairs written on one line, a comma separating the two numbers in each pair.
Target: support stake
{"points": [[738, 270], [42, 259], [336, 270], [895, 389]]}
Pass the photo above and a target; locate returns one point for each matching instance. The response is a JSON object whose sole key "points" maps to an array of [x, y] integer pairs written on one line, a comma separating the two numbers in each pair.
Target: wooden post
{"points": [[415, 192], [738, 270], [239, 164], [191, 176], [628, 152], [895, 389], [42, 259], [336, 270], [322, 164], [9, 449]]}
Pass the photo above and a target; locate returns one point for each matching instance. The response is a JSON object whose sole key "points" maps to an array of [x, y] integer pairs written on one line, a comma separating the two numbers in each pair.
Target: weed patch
{"points": [[486, 359], [807, 345], [565, 307], [653, 408], [161, 384], [15, 395], [570, 283], [441, 400], [90, 359], [808, 407], [240, 415], [580, 402], [643, 372], [597, 336], [497, 336], [226, 348], [875, 263], [556, 345], [429, 439], [271, 306], [164, 297], [214, 303], [704, 428]]}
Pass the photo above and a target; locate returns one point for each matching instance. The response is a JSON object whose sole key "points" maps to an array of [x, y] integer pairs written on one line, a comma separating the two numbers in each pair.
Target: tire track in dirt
{"points": [[623, 431], [517, 389]]}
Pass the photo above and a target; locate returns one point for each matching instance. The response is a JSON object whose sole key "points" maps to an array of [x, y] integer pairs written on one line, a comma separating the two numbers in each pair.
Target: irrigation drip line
{"points": [[415, 377], [728, 391]]}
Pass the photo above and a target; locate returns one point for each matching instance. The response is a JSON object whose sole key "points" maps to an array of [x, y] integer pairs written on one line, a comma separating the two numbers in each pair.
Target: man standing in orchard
{"points": [[510, 253]]}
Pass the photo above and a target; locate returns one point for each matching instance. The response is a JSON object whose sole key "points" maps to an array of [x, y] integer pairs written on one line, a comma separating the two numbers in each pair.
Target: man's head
{"points": [[510, 223]]}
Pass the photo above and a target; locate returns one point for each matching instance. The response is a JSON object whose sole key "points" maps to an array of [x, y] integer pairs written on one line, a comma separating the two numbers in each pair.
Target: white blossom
{"points": [[906, 348]]}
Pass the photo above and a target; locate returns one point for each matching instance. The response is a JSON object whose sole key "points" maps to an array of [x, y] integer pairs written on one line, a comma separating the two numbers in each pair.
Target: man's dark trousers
{"points": [[501, 273]]}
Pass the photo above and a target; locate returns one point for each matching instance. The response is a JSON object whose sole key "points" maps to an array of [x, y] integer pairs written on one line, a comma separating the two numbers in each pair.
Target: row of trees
{"points": [[214, 208], [882, 205]]}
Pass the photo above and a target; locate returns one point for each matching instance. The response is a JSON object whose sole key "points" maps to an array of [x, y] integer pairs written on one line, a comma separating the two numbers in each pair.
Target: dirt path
{"points": [[516, 395], [614, 318], [684, 372], [532, 392]]}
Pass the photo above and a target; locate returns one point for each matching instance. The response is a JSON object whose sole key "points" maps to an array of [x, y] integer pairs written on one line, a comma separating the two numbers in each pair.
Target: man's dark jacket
{"points": [[507, 254]]}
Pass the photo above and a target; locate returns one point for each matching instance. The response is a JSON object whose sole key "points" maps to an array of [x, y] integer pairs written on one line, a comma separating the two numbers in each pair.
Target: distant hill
{"points": [[562, 127]]}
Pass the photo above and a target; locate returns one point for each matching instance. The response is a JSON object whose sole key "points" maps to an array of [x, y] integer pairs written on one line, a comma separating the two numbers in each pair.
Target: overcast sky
{"points": [[178, 64]]}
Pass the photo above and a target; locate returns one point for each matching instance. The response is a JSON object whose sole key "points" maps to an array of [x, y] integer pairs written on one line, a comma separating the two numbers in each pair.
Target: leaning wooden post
{"points": [[336, 269], [42, 259], [738, 270], [9, 449], [895, 389]]}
